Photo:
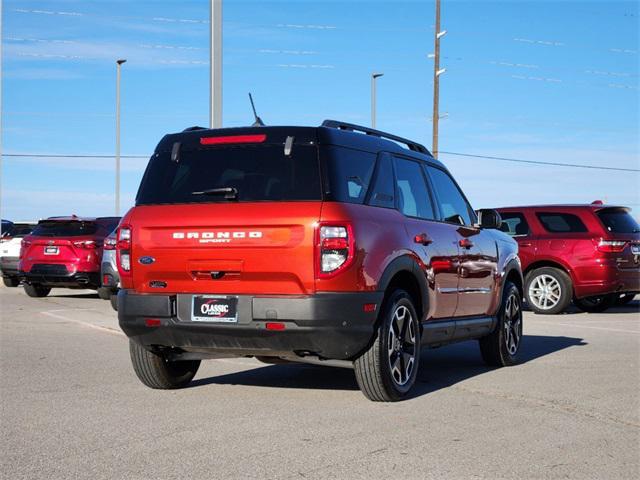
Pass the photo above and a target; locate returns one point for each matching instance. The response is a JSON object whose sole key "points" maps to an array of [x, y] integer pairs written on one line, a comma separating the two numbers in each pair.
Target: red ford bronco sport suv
{"points": [[586, 253], [330, 245], [63, 252]]}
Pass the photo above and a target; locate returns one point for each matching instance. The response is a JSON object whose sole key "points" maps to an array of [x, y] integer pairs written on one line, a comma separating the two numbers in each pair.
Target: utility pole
{"points": [[436, 80], [215, 77], [118, 67], [374, 76]]}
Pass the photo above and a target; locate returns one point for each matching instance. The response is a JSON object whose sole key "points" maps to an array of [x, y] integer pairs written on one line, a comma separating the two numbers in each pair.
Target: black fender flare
{"points": [[406, 263], [512, 265]]}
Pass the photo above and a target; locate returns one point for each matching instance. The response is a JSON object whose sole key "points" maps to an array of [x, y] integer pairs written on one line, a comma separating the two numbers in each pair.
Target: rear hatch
{"points": [[623, 236], [60, 242], [228, 214]]}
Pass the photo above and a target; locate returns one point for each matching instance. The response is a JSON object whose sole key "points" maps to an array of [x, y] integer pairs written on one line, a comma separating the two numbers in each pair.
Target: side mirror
{"points": [[488, 218]]}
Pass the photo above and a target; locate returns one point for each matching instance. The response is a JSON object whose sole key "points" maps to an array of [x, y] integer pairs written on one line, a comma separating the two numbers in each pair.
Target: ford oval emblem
{"points": [[146, 260]]}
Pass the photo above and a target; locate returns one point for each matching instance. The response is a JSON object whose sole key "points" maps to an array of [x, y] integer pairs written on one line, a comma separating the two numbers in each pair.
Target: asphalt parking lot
{"points": [[73, 408]]}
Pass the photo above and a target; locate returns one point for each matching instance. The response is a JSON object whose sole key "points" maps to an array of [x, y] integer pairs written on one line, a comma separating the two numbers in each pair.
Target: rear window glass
{"points": [[514, 224], [349, 173], [561, 223], [18, 230], [618, 221], [64, 229], [257, 173]]}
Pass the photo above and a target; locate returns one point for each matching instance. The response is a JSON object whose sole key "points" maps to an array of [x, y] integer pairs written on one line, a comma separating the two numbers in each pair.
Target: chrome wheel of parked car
{"points": [[401, 345], [545, 292], [512, 323]]}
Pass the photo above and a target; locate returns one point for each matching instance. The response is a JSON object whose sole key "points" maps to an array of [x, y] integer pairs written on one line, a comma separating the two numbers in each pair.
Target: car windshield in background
{"points": [[18, 230], [244, 174], [618, 220], [64, 229]]}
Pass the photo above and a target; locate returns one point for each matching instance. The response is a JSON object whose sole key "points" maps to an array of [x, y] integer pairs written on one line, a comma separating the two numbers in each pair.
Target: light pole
{"points": [[118, 67], [215, 62], [374, 76]]}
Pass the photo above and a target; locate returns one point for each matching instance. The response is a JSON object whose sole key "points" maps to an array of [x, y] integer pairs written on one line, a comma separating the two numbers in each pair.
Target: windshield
{"points": [[244, 174], [48, 228], [618, 220]]}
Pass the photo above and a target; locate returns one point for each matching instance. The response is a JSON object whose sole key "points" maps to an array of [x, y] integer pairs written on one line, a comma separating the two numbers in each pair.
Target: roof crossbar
{"points": [[414, 146]]}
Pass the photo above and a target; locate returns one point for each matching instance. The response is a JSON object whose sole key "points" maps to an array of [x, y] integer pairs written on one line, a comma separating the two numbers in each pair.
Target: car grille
{"points": [[45, 269]]}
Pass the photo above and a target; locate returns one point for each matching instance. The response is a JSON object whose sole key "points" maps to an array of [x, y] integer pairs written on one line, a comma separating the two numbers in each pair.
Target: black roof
{"points": [[331, 132]]}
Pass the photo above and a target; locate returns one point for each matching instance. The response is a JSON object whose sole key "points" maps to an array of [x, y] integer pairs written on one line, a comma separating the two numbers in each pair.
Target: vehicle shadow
{"points": [[630, 307], [439, 368]]}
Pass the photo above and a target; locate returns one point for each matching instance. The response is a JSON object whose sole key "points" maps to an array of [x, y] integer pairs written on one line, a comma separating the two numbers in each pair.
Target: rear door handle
{"points": [[465, 243], [422, 238]]}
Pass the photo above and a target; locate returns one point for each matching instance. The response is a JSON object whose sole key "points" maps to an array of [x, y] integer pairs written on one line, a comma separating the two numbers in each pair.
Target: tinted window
{"points": [[413, 196], [56, 228], [453, 206], [382, 193], [349, 173], [256, 172], [561, 223], [618, 220], [514, 224], [19, 230]]}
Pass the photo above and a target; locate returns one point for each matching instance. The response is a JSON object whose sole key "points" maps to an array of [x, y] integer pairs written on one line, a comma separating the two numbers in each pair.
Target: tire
{"points": [[36, 291], [548, 290], [104, 293], [113, 299], [596, 304], [10, 281], [388, 369], [158, 373], [625, 299], [500, 347]]}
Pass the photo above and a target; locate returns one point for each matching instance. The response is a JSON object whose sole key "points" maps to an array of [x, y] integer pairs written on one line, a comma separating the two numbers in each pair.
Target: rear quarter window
{"points": [[514, 223], [561, 222], [618, 220], [349, 173]]}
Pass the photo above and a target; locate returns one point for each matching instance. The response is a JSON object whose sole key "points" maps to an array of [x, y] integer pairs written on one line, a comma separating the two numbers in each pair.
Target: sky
{"points": [[542, 81]]}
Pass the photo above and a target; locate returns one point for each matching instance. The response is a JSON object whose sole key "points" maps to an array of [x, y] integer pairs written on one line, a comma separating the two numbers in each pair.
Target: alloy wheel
{"points": [[512, 324], [401, 345], [545, 292]]}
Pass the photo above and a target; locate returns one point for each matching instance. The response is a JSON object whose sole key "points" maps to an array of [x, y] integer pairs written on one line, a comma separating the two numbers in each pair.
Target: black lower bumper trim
{"points": [[329, 325], [79, 280]]}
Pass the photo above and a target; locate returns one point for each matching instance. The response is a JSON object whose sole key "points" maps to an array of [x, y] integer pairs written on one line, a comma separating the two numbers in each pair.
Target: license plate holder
{"points": [[214, 309], [51, 250]]}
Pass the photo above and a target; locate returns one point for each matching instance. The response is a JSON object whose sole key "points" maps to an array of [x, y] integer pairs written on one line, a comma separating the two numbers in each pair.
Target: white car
{"points": [[12, 236]]}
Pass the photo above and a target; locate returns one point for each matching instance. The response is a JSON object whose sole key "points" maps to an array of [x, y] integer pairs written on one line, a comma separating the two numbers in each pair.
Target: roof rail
{"points": [[193, 129], [414, 146]]}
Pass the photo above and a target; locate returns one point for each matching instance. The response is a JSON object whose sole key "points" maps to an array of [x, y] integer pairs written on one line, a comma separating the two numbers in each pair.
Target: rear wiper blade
{"points": [[230, 193]]}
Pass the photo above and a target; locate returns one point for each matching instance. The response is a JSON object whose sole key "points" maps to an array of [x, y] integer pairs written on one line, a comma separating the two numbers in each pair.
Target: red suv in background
{"points": [[63, 252], [586, 253]]}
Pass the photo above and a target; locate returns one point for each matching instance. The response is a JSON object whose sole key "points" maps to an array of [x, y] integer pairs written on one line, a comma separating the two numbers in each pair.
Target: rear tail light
{"points": [[124, 250], [88, 244], [110, 243], [610, 246], [335, 246], [24, 244]]}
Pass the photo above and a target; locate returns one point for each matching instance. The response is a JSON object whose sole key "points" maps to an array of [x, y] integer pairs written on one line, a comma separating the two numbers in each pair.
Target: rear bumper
{"points": [[9, 266], [329, 325], [77, 280], [609, 280]]}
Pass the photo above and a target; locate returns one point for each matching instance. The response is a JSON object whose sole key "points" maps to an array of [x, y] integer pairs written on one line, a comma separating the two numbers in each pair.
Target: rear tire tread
{"points": [[154, 371]]}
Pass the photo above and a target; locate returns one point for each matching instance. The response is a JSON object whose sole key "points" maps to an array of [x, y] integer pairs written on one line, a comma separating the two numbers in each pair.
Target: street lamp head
{"points": [[121, 61], [376, 75]]}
